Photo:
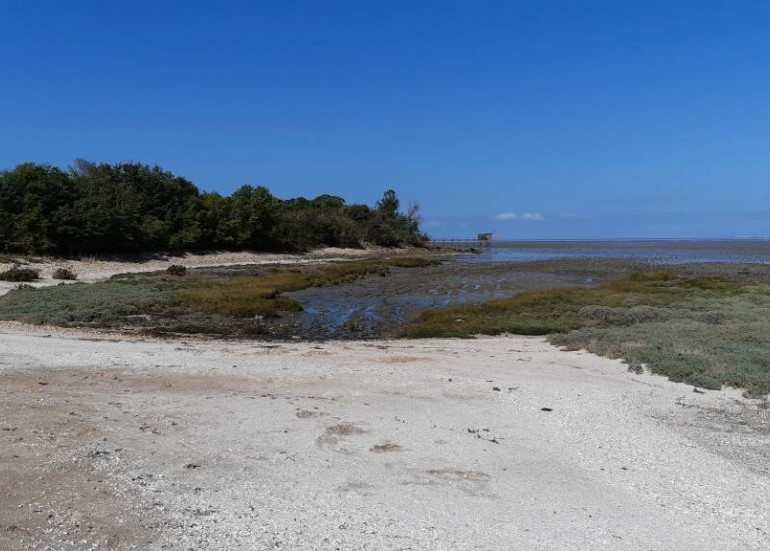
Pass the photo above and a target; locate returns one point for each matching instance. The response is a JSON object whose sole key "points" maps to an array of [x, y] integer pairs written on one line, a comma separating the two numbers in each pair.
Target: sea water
{"points": [[655, 251]]}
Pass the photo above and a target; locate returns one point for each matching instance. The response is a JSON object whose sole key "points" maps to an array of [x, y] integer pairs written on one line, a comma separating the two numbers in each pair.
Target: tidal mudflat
{"points": [[702, 323], [113, 438]]}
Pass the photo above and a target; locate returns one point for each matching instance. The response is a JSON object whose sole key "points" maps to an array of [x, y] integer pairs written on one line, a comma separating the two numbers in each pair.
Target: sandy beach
{"points": [[493, 443], [385, 276]]}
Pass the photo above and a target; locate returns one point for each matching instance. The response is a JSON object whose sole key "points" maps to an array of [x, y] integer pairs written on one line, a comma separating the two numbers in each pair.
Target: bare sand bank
{"points": [[92, 270], [369, 445]]}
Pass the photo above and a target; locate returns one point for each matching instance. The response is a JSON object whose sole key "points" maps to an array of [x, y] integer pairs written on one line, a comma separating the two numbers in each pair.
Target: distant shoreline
{"points": [[635, 240], [656, 251]]}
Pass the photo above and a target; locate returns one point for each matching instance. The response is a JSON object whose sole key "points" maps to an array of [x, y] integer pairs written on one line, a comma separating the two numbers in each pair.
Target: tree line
{"points": [[105, 208]]}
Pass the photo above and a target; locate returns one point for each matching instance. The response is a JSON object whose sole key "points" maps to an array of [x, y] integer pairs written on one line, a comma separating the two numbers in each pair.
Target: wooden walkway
{"points": [[483, 241]]}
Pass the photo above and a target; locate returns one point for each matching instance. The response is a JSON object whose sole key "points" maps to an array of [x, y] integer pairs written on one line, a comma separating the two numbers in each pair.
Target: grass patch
{"points": [[213, 301], [105, 303], [411, 262], [248, 297], [245, 297], [707, 332]]}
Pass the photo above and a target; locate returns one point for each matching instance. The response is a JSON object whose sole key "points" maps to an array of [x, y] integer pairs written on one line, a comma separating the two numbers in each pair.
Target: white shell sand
{"points": [[366, 445]]}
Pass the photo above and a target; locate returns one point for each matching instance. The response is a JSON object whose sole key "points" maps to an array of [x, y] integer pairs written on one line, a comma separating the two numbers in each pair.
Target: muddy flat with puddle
{"points": [[377, 306]]}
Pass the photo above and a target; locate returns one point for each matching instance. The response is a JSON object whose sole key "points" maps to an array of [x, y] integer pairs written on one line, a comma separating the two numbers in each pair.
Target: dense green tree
{"points": [[132, 207], [254, 211], [35, 209], [216, 228], [388, 205]]}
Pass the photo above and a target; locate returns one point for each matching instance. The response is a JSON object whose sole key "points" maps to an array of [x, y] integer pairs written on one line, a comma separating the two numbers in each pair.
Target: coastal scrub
{"points": [[704, 331], [237, 301]]}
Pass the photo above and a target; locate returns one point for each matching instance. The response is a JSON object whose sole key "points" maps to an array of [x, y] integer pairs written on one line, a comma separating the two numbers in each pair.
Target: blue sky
{"points": [[539, 119]]}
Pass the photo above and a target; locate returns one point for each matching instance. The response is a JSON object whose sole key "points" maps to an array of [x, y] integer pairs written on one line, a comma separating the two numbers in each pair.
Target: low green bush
{"points": [[19, 273], [65, 274], [107, 303], [707, 332]]}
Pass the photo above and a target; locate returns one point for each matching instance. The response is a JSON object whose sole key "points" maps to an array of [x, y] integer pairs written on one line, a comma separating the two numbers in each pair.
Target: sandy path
{"points": [[387, 445], [93, 270]]}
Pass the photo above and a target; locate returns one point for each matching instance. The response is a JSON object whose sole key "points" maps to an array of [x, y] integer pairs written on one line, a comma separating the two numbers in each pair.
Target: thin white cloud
{"points": [[526, 217], [533, 217], [431, 224], [506, 216]]}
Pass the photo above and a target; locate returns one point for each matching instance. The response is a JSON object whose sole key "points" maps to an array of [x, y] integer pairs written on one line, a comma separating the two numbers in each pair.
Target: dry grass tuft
{"points": [[307, 414], [571, 348], [261, 295], [344, 429], [385, 448], [460, 475], [246, 297], [411, 262]]}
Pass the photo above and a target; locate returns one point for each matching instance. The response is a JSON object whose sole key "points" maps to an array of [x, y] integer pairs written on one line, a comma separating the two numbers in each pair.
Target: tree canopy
{"points": [[131, 207]]}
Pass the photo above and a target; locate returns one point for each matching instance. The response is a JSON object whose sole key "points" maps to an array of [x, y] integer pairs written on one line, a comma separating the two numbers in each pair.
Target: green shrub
{"points": [[107, 303], [703, 381], [706, 332], [17, 273], [176, 270], [64, 273]]}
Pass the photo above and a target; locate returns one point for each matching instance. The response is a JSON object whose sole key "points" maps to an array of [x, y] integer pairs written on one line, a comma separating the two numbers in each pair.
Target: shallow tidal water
{"points": [[377, 306], [653, 251]]}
